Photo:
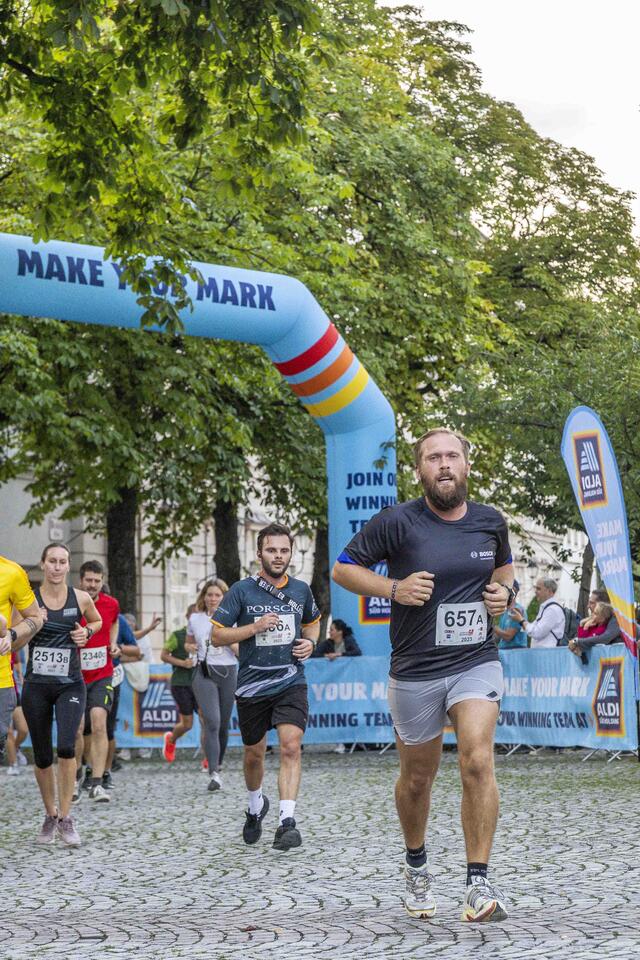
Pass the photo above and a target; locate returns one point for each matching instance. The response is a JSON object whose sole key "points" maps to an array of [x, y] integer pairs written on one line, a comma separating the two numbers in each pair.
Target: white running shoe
{"points": [[22, 760], [419, 901], [99, 794], [215, 783], [13, 770], [483, 902]]}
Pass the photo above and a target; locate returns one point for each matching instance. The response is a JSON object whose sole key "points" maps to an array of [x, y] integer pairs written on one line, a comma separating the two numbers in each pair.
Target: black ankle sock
{"points": [[418, 857], [476, 870], [95, 781]]}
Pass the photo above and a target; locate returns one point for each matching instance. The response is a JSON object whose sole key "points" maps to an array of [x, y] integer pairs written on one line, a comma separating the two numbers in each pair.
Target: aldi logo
{"points": [[375, 610], [154, 711], [589, 470], [608, 703]]}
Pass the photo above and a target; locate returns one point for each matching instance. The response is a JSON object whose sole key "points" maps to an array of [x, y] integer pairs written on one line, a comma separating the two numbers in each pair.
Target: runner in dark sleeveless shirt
{"points": [[53, 680]]}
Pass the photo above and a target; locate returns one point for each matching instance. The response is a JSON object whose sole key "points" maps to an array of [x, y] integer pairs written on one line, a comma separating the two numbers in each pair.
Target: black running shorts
{"points": [[257, 715], [99, 694], [185, 700]]}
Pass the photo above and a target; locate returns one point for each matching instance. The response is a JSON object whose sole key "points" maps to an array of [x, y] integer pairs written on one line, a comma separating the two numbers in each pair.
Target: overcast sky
{"points": [[571, 67]]}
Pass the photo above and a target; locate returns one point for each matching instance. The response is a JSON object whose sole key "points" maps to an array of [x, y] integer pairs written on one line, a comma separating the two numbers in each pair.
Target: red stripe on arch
{"points": [[307, 359]]}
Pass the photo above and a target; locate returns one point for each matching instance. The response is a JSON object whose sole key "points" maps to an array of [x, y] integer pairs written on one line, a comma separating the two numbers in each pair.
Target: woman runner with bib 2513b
{"points": [[53, 681]]}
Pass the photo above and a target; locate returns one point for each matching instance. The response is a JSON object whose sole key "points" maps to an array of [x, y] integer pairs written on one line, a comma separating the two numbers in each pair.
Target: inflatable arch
{"points": [[69, 281]]}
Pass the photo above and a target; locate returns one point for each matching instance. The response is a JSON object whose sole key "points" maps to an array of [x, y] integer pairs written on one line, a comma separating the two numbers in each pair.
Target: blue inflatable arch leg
{"points": [[69, 281]]}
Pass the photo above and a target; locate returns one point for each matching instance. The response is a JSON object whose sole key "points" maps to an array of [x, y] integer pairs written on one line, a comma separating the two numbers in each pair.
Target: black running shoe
{"points": [[107, 780], [252, 830], [287, 836], [116, 765], [88, 774]]}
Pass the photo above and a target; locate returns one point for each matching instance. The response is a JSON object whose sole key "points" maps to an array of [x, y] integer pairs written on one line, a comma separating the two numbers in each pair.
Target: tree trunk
{"points": [[585, 580], [121, 550], [320, 582], [227, 555]]}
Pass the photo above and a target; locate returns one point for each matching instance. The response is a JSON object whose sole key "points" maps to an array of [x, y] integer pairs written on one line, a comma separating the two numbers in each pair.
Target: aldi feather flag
{"points": [[593, 470]]}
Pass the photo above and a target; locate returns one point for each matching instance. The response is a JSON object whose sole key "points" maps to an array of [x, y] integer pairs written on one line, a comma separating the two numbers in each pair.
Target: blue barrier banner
{"points": [[551, 699], [347, 702], [144, 718]]}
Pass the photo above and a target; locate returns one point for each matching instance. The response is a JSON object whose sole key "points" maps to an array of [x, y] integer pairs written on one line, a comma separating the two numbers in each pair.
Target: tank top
{"points": [[53, 656]]}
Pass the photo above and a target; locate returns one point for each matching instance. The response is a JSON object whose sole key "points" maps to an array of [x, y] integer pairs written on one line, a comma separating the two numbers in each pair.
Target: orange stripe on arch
{"points": [[323, 380], [342, 398]]}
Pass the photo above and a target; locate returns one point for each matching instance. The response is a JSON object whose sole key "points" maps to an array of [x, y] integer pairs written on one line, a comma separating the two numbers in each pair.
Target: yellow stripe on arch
{"points": [[342, 398]]}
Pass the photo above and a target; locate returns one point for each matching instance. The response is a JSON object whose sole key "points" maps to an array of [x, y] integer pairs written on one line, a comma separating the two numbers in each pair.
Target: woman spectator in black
{"points": [[340, 643]]}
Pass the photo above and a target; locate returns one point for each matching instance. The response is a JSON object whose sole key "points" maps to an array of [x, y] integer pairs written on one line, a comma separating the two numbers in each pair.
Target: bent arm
{"points": [[611, 633], [89, 612], [311, 631], [548, 623], [360, 580], [30, 622], [130, 653], [226, 636], [167, 657]]}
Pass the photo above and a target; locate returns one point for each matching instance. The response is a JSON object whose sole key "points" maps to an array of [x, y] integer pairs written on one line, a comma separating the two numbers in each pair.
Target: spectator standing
{"points": [[611, 632], [340, 643], [509, 632], [548, 628], [593, 630]]}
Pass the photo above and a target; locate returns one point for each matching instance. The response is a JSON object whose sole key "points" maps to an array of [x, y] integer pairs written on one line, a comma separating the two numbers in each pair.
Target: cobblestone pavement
{"points": [[163, 872]]}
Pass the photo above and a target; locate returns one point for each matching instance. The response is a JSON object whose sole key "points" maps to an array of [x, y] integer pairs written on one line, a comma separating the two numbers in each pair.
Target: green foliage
{"points": [[111, 86]]}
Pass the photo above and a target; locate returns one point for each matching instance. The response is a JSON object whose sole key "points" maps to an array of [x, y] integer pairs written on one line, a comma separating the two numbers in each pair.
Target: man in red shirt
{"points": [[97, 672]]}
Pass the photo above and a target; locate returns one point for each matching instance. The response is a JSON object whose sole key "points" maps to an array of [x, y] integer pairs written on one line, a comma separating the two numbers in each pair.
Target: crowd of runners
{"points": [[449, 572]]}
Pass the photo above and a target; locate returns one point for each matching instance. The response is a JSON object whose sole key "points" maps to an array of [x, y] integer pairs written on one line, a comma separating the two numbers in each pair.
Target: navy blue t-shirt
{"points": [[452, 630], [266, 664]]}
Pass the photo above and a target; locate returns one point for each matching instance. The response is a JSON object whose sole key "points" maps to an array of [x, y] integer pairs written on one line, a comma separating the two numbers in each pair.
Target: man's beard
{"points": [[268, 569], [445, 499]]}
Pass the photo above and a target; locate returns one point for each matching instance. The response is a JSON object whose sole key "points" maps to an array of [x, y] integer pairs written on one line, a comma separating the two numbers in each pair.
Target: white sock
{"points": [[287, 809], [255, 800]]}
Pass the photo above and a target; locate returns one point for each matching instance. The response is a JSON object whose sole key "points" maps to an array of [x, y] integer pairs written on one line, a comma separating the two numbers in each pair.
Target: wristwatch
{"points": [[89, 632], [13, 635]]}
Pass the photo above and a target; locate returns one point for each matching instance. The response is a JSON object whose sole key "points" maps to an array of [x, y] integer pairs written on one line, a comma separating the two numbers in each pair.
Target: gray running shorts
{"points": [[419, 707]]}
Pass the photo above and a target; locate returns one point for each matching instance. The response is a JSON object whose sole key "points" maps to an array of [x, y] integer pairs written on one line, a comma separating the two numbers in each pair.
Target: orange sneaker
{"points": [[169, 749], [204, 765]]}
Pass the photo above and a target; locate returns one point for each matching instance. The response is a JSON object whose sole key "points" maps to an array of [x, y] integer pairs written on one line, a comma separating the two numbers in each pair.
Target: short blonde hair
{"points": [[464, 443]]}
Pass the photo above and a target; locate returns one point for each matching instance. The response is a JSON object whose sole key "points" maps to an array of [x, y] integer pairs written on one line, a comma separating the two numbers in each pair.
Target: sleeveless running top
{"points": [[53, 656]]}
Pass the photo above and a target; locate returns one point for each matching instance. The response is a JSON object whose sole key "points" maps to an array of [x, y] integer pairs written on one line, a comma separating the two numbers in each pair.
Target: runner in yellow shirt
{"points": [[15, 591]]}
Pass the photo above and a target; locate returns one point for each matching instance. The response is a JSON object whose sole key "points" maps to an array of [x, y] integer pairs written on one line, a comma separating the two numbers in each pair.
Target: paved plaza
{"points": [[163, 872]]}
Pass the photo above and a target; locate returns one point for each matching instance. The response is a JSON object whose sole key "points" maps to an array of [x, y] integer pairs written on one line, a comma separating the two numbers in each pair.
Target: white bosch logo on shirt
{"points": [[482, 554]]}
